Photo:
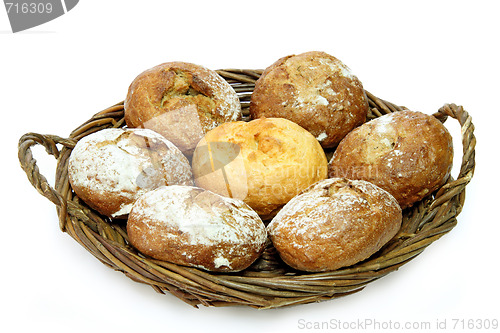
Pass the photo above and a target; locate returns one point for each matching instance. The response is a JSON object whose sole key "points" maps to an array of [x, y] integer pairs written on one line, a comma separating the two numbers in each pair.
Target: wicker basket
{"points": [[268, 283]]}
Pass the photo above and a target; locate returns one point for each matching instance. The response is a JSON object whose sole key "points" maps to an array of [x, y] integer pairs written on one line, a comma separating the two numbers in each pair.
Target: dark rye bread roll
{"points": [[407, 153], [316, 91], [334, 223], [181, 101], [194, 227], [111, 168]]}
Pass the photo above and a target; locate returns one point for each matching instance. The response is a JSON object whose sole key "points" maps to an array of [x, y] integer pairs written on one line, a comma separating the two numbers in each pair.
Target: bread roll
{"points": [[264, 162], [181, 101], [334, 223], [111, 168], [407, 153], [316, 91], [190, 226]]}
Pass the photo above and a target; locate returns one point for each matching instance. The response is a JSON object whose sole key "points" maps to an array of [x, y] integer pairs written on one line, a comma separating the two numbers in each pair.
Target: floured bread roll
{"points": [[334, 223], [181, 101], [264, 162], [194, 227], [316, 91], [111, 168], [407, 153]]}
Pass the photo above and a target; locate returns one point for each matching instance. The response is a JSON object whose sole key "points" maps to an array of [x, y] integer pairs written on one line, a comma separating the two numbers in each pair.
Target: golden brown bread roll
{"points": [[316, 91], [264, 162], [181, 101], [190, 226], [334, 223], [407, 153], [111, 168]]}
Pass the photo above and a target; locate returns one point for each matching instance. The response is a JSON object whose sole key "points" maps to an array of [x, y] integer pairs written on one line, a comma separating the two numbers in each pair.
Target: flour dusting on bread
{"points": [[316, 91], [216, 233], [113, 167], [334, 223]]}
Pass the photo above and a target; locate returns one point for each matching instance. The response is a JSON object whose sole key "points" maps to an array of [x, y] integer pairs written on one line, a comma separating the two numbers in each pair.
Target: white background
{"points": [[55, 76]]}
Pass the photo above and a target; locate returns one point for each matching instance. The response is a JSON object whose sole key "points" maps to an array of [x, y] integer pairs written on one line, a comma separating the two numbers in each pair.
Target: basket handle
{"points": [[28, 163], [457, 187], [451, 189]]}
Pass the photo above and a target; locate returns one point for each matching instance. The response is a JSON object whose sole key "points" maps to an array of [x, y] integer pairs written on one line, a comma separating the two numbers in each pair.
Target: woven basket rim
{"points": [[268, 283]]}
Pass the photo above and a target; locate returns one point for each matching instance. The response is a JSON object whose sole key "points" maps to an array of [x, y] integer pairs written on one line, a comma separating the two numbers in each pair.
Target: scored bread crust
{"points": [[407, 153], [316, 91], [181, 101], [334, 223]]}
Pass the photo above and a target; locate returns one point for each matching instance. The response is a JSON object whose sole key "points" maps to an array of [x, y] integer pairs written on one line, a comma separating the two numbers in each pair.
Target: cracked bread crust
{"points": [[407, 153], [181, 101], [334, 223], [274, 159], [316, 91], [111, 168], [194, 227]]}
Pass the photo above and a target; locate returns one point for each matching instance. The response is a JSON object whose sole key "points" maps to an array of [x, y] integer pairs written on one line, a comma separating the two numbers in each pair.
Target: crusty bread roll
{"points": [[334, 223], [181, 101], [407, 153], [111, 168], [316, 91], [194, 227], [264, 162]]}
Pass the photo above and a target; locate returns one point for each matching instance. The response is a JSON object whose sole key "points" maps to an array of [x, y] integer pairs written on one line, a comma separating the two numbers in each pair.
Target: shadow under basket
{"points": [[268, 283]]}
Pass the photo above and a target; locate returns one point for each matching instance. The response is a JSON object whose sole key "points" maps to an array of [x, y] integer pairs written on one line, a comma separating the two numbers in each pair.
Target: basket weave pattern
{"points": [[268, 283]]}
